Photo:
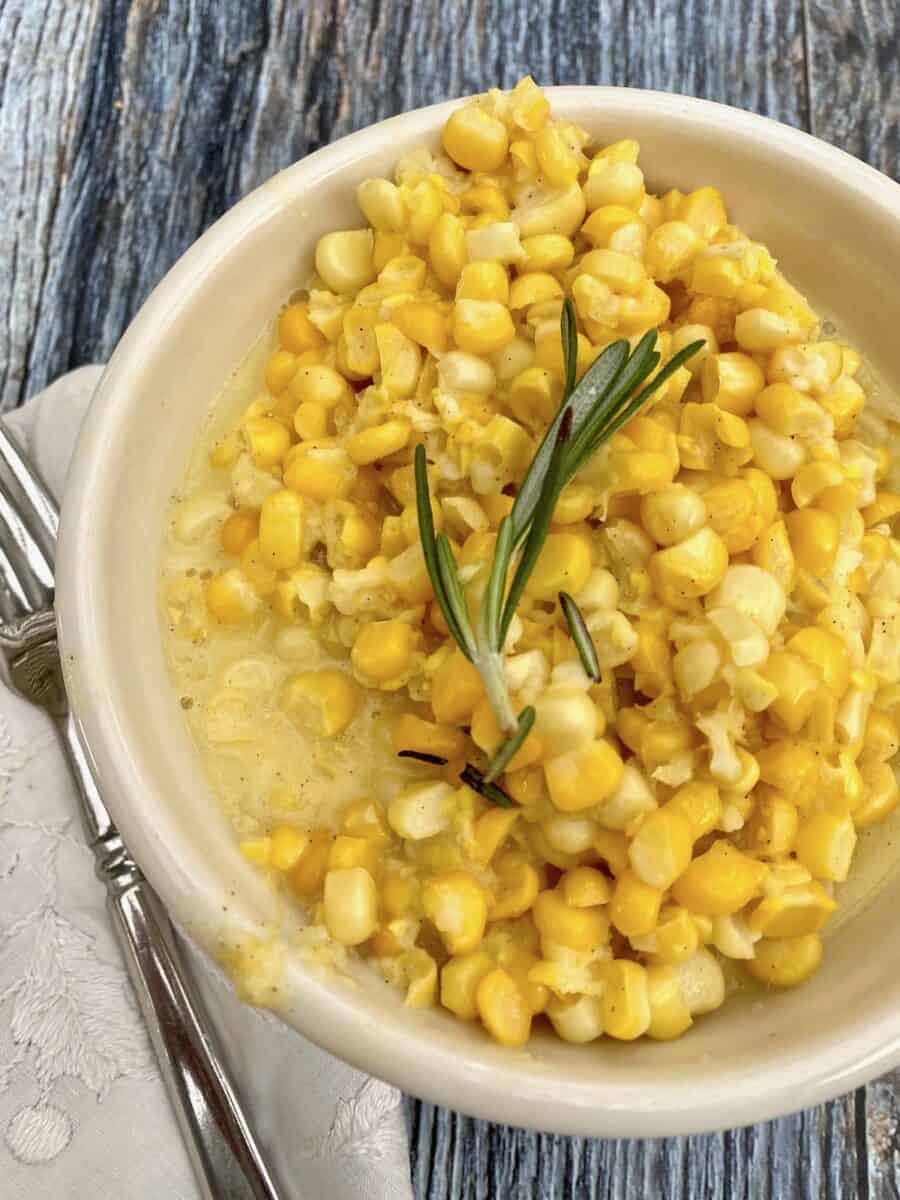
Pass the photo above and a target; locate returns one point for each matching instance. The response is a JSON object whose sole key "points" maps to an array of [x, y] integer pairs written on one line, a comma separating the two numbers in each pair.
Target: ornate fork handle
{"points": [[226, 1160]]}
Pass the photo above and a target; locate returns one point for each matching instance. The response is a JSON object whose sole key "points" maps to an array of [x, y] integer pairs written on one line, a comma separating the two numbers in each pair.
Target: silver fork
{"points": [[221, 1145]]}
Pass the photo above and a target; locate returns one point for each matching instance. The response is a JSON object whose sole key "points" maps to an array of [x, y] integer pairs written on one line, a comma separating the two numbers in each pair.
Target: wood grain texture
{"points": [[128, 126]]}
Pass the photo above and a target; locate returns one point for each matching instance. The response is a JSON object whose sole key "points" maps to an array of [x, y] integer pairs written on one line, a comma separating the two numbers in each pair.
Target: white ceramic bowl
{"points": [[835, 226]]}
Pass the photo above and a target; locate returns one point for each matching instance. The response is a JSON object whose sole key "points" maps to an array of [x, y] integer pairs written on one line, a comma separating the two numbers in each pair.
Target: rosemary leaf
{"points": [[492, 601], [430, 553], [581, 636], [507, 751], [456, 613], [540, 524], [420, 756], [475, 779], [589, 391], [569, 335]]}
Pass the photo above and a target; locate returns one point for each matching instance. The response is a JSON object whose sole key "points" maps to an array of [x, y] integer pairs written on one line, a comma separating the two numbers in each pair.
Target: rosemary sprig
{"points": [[510, 747], [581, 636], [436, 760], [590, 413], [476, 780]]}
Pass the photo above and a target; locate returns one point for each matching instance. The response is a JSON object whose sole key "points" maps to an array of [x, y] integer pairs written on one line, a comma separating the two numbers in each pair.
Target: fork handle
{"points": [[223, 1152]]}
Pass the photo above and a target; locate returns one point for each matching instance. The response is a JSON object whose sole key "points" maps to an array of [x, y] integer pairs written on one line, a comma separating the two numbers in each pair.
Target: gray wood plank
{"points": [[855, 77]]}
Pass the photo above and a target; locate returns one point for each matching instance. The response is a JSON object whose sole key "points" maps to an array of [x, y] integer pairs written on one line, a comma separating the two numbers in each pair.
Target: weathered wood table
{"points": [[127, 127]]}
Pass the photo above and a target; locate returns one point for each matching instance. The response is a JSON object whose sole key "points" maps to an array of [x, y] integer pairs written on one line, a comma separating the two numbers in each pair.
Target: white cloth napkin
{"points": [[83, 1112]]}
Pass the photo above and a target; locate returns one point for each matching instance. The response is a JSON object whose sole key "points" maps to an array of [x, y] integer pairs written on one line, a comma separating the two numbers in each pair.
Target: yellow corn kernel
{"points": [[716, 276], [792, 413], [425, 737], [319, 472], [382, 205], [281, 523], [576, 1019], [308, 873], [626, 1000], [324, 701], [661, 849], [604, 222], [675, 938], [882, 794], [673, 514], [238, 531], [257, 850], [733, 381], [425, 205], [640, 471], [670, 1016], [634, 908], [490, 831], [826, 653], [503, 1009], [383, 650], [704, 211], [773, 553], [323, 385], [424, 323], [456, 904], [226, 453], [350, 905], [844, 400], [348, 851], [231, 598], [825, 845], [379, 441], [344, 260], [585, 777], [786, 962], [421, 810], [556, 160], [296, 332], [670, 248], [690, 569], [447, 249], [548, 352], [883, 509], [792, 767], [475, 139], [310, 420], [719, 882], [882, 739], [400, 360], [280, 371], [546, 252], [585, 887], [564, 564], [267, 440], [797, 685], [534, 396], [487, 281], [797, 910], [758, 330], [485, 198], [258, 572], [699, 803], [460, 977], [732, 514], [578, 928], [519, 886], [772, 827], [482, 326], [534, 288], [486, 733], [663, 740], [612, 182], [388, 246], [455, 690]]}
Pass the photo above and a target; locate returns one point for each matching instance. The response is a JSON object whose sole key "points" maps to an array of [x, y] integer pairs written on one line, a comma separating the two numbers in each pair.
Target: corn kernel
{"points": [[421, 810], [579, 928], [350, 905], [344, 260], [460, 977], [563, 565], [576, 1019], [323, 701], [661, 849], [796, 684], [670, 1016], [626, 1001], [456, 904], [281, 523], [447, 249], [786, 962], [383, 651], [690, 569], [634, 908], [379, 441], [825, 845], [238, 531], [412, 733], [481, 326], [296, 332], [475, 139], [585, 777], [231, 598], [319, 384], [382, 205], [720, 881], [797, 910], [611, 182], [503, 1010], [424, 323], [267, 440], [546, 252]]}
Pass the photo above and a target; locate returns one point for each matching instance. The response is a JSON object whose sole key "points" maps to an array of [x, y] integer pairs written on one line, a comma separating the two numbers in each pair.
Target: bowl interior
{"points": [[834, 226]]}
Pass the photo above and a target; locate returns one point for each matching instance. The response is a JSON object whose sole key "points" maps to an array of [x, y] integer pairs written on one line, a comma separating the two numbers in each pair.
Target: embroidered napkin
{"points": [[83, 1112]]}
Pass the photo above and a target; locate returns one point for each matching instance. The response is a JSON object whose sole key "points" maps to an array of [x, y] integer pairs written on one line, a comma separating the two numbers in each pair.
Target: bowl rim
{"points": [[502, 1092]]}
